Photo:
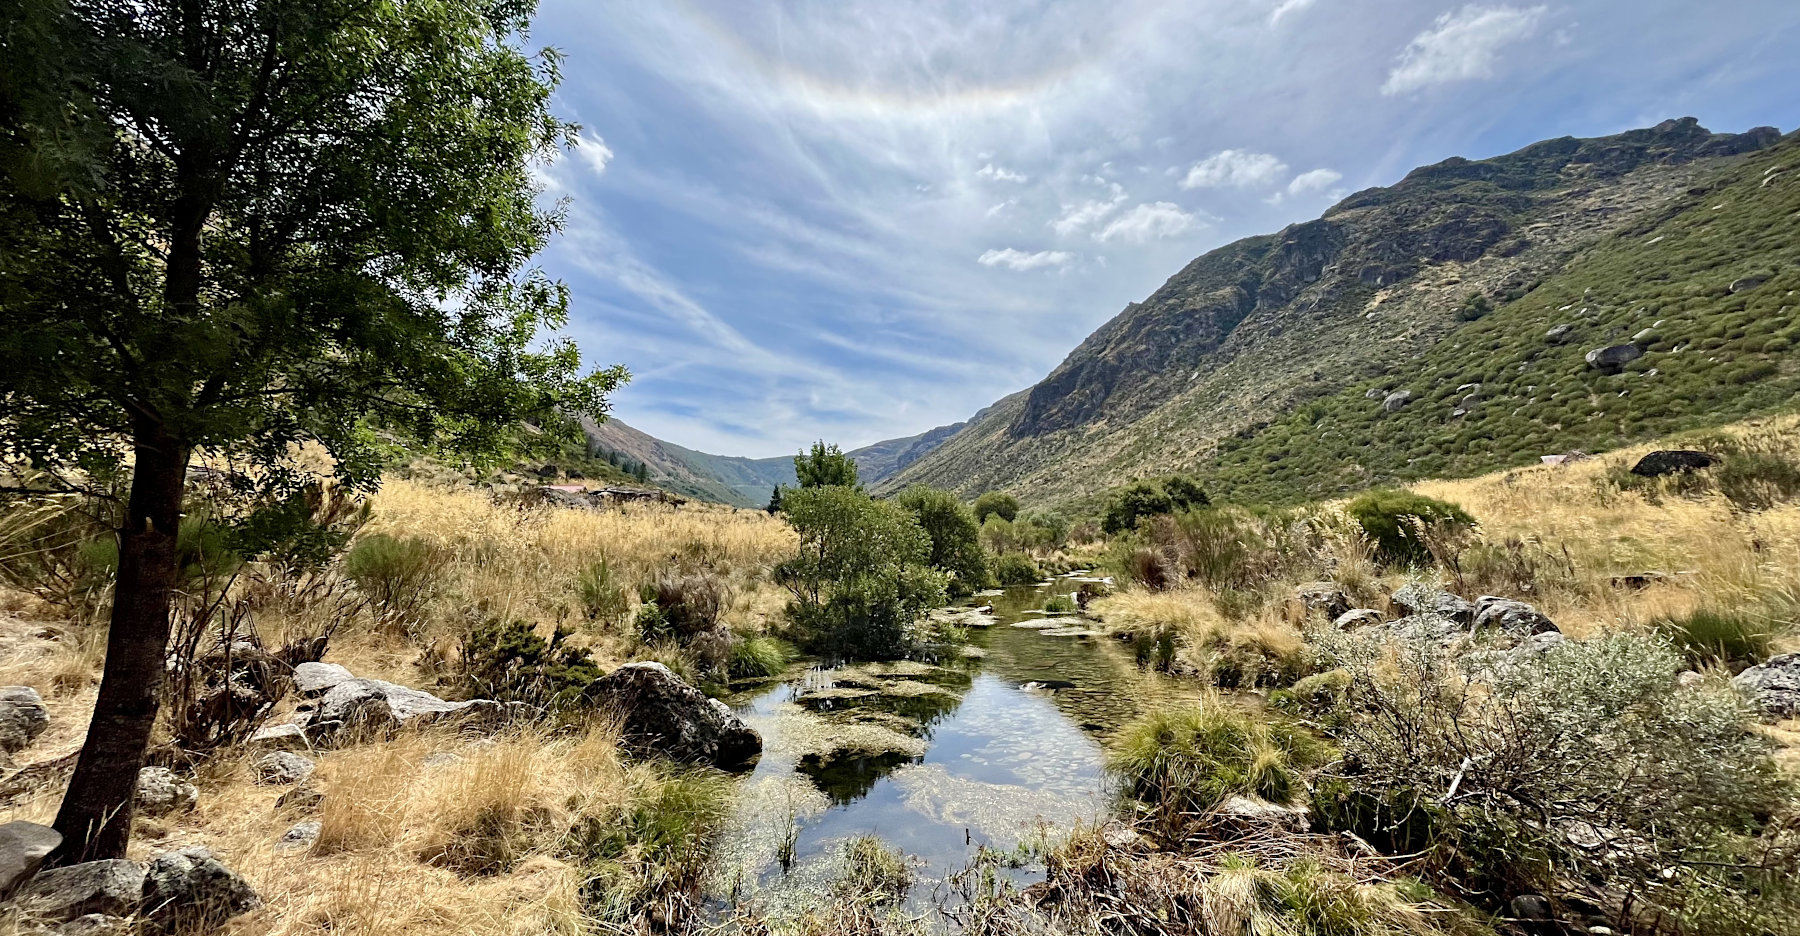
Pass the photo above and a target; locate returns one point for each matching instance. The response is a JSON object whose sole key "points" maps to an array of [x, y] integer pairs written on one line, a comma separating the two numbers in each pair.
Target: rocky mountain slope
{"points": [[1451, 273]]}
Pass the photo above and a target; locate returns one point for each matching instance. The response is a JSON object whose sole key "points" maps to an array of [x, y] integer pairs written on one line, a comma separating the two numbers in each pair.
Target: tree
{"points": [[861, 580], [825, 466], [1141, 499], [996, 503], [955, 536], [234, 229]]}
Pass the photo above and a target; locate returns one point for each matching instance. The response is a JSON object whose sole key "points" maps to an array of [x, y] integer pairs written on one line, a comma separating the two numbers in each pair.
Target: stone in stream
{"points": [[664, 716]]}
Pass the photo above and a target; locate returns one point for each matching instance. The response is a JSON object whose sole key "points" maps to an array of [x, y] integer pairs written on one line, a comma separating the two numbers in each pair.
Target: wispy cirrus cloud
{"points": [[1001, 174], [1020, 260]]}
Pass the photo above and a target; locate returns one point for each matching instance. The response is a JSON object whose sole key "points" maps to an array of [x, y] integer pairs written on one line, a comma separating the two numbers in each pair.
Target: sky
{"points": [[852, 221]]}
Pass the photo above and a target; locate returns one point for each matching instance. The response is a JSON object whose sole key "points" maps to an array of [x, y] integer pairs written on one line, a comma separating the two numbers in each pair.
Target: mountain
{"points": [[747, 482], [1259, 356]]}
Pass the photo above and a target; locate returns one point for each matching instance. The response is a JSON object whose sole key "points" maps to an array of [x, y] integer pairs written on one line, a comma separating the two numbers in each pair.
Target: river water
{"points": [[937, 761]]}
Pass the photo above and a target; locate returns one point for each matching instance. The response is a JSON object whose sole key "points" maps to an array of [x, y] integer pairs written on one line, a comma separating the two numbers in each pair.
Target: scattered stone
{"points": [[316, 679], [1396, 401], [662, 715], [1430, 599], [1512, 617], [1357, 617], [1747, 283], [1688, 679], [1774, 686], [1120, 835], [1558, 333], [283, 737], [160, 792], [114, 887], [23, 848], [22, 718], [188, 890], [359, 707], [303, 798], [300, 836], [283, 768], [1428, 627], [1070, 632], [1324, 597], [1612, 359], [1657, 464], [1374, 393], [1637, 580]]}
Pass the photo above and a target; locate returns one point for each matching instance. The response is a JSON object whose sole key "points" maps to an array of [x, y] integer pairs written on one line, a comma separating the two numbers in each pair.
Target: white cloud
{"points": [[1235, 169], [1078, 216], [1020, 260], [1148, 222], [593, 151], [1317, 180], [1001, 174], [1288, 6], [1460, 46], [1002, 206]]}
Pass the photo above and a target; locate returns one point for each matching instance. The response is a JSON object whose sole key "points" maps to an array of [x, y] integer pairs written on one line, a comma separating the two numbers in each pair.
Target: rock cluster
{"points": [[1774, 685], [1429, 613], [181, 891]]}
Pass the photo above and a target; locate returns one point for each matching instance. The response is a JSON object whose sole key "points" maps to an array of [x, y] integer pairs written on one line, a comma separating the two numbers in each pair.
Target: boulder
{"points": [[114, 887], [301, 836], [661, 715], [1747, 283], [1355, 618], [1613, 358], [160, 792], [1512, 617], [1657, 464], [22, 717], [1427, 628], [1774, 685], [1430, 599], [1396, 401], [189, 890], [1324, 597], [315, 679], [286, 736], [282, 768], [358, 707], [23, 848], [1558, 333]]}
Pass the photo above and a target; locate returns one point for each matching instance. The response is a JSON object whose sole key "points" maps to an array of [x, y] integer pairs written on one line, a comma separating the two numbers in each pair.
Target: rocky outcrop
{"points": [[1774, 686], [189, 890], [161, 793], [663, 716], [113, 887], [22, 718], [1657, 464], [1416, 599], [1512, 617], [23, 848], [1613, 358], [347, 707], [1323, 597]]}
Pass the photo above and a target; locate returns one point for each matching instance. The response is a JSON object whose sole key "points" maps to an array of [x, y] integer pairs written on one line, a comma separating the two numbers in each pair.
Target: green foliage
{"points": [[508, 661], [654, 850], [996, 503], [759, 658], [399, 574], [1714, 635], [862, 580], [1476, 306], [825, 466], [1017, 569], [1058, 604], [955, 536], [1176, 764], [1398, 523], [1140, 499], [601, 594]]}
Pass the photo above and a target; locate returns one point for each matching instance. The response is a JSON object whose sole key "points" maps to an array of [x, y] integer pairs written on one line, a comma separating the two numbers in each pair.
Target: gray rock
{"points": [[1396, 401], [1357, 617], [1324, 597], [1427, 628], [1416, 598], [22, 717], [1747, 283], [1558, 334], [1689, 679], [95, 924], [1674, 461], [23, 848], [316, 679], [1774, 685], [114, 887], [358, 708], [190, 890], [1374, 393], [1512, 617], [300, 837], [661, 715], [160, 792], [283, 768], [303, 798], [1614, 357], [286, 736]]}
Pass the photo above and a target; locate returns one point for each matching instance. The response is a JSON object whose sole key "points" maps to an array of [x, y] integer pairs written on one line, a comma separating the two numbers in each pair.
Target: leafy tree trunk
{"points": [[95, 818]]}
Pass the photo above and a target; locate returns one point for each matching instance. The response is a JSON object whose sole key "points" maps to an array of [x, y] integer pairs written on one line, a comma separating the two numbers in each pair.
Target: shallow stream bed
{"points": [[936, 760]]}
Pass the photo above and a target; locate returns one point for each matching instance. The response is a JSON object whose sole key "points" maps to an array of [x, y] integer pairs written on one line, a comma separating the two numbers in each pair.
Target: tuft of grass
{"points": [[760, 658], [1058, 604], [874, 872], [1713, 635]]}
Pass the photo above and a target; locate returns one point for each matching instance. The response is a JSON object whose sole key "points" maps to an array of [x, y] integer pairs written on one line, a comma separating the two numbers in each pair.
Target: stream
{"points": [[938, 761]]}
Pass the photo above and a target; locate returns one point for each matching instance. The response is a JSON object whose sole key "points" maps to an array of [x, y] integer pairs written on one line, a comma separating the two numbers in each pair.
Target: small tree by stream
{"points": [[862, 581]]}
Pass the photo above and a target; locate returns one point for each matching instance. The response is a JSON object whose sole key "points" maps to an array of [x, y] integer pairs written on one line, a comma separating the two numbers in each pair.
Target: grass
{"points": [[1711, 635]]}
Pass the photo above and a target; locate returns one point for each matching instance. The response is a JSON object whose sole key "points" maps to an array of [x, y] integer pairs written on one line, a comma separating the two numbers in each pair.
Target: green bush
{"points": [[1058, 604], [1711, 635], [861, 582], [508, 661], [996, 504], [955, 537], [399, 574], [1017, 569], [601, 594], [1392, 521], [1140, 499]]}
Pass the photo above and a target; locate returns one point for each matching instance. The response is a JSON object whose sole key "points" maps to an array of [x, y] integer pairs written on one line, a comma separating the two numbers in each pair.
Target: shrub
{"points": [[955, 536], [861, 581], [1058, 604], [1711, 635], [1127, 505], [1399, 522], [1177, 764], [759, 658], [399, 574], [1017, 569], [996, 504], [510, 662], [1584, 767], [689, 604], [602, 596]]}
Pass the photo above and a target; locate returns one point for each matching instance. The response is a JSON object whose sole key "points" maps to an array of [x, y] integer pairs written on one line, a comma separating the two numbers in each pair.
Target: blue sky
{"points": [[857, 220]]}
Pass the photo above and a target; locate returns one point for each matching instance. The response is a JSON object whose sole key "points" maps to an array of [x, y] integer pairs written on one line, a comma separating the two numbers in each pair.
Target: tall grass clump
{"points": [[1713, 635], [400, 574], [759, 658], [602, 595]]}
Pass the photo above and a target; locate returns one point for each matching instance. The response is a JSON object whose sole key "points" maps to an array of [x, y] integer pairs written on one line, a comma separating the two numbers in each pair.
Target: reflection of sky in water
{"points": [[1000, 765]]}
